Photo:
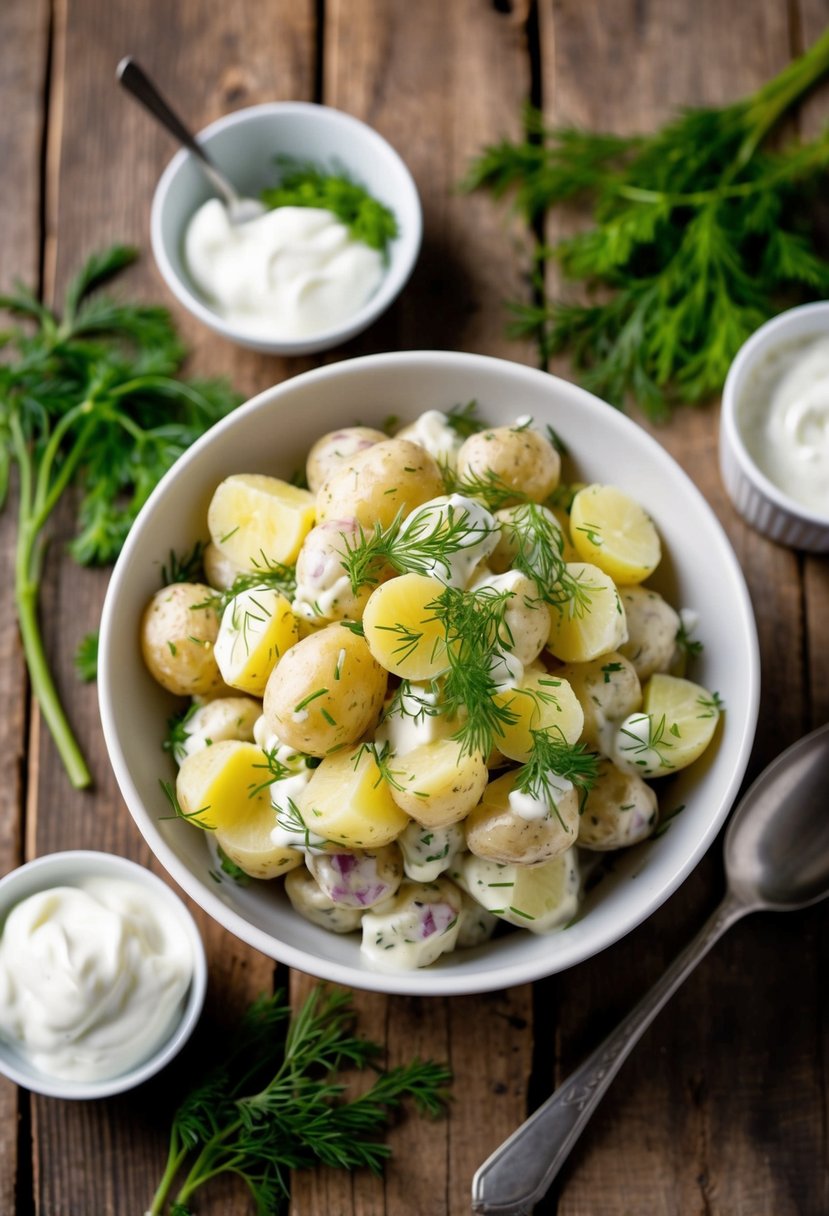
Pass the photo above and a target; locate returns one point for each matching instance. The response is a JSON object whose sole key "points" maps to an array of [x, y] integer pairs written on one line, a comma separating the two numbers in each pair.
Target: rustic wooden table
{"points": [[722, 1109]]}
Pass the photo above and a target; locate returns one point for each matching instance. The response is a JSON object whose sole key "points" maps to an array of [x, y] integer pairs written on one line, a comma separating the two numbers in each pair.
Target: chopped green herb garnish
{"points": [[308, 185]]}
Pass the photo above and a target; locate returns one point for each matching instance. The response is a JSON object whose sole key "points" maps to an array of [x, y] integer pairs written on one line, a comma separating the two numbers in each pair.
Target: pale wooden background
{"points": [[722, 1110]]}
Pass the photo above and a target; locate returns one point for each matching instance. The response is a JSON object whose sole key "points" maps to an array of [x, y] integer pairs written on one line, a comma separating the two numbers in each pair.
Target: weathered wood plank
{"points": [[439, 82], [705, 1117], [24, 36], [105, 156]]}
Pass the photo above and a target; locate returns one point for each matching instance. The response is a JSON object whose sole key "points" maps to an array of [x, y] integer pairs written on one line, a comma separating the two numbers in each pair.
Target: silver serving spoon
{"points": [[776, 860], [137, 82]]}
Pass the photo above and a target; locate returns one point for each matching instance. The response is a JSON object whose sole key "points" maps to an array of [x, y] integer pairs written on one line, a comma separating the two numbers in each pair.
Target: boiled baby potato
{"points": [[523, 528], [219, 570], [335, 449], [348, 802], [178, 632], [677, 722], [402, 630], [258, 628], [607, 689], [256, 520], [620, 810], [436, 783], [539, 898], [499, 829], [610, 530], [652, 629], [517, 457], [325, 692], [414, 928], [590, 624], [526, 621], [357, 878], [543, 701], [323, 588], [376, 485], [214, 722]]}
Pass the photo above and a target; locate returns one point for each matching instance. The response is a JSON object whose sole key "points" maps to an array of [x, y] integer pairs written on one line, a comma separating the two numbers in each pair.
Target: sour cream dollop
{"points": [[92, 978], [291, 273], [784, 419]]}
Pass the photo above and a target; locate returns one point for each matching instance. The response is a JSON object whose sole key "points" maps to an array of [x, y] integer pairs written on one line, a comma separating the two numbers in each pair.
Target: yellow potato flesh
{"points": [[219, 787], [257, 628], [256, 520], [613, 532], [439, 786], [543, 702], [348, 802], [595, 625], [401, 629]]}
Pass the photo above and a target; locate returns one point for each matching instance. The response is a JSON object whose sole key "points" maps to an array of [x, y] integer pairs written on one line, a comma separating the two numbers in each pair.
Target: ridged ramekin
{"points": [[761, 503]]}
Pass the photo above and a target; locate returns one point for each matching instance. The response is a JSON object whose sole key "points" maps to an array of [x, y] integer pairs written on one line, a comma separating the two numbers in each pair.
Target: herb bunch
{"points": [[275, 1104], [88, 399], [307, 185], [699, 234]]}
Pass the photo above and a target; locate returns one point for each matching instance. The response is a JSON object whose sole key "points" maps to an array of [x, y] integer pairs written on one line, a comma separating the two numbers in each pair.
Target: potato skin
{"points": [[620, 810], [519, 457], [335, 449], [608, 690], [177, 638], [310, 901], [324, 591], [652, 628], [334, 660], [387, 478], [438, 786], [496, 832]]}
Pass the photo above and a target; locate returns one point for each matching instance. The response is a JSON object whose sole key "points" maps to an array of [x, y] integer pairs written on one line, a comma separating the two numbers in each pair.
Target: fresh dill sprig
{"points": [[538, 552], [700, 232], [381, 756], [309, 185], [89, 400], [551, 757], [86, 657], [487, 487], [195, 817], [178, 734], [275, 768], [265, 573], [230, 868], [276, 1104], [423, 543], [463, 421], [185, 568], [688, 646], [648, 740]]}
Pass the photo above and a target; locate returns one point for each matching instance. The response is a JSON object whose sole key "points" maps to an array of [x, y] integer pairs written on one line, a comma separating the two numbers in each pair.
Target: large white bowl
{"points": [[244, 144], [271, 434]]}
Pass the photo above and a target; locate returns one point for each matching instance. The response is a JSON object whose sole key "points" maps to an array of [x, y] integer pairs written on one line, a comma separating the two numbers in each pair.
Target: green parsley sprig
{"points": [[88, 400], [309, 185], [276, 1104], [699, 234]]}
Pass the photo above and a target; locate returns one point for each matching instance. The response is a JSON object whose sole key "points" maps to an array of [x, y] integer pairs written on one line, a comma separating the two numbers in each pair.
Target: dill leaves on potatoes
{"points": [[275, 1104], [90, 399], [699, 233]]}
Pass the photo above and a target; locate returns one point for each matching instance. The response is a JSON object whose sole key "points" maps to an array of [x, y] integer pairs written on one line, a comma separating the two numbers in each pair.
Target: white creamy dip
{"points": [[783, 416], [291, 273], [92, 977], [528, 807], [475, 532], [433, 432]]}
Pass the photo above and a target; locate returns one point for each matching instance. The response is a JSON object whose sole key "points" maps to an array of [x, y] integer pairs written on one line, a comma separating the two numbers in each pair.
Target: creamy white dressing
{"points": [[356, 878], [432, 432], [632, 750], [507, 670], [289, 790], [783, 415], [291, 273], [428, 852], [414, 928], [244, 621], [528, 807], [477, 536], [214, 722], [408, 723], [92, 977], [322, 582]]}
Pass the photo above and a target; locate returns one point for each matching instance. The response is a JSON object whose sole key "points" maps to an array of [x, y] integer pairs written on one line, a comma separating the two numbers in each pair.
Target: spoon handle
{"points": [[518, 1173], [137, 82]]}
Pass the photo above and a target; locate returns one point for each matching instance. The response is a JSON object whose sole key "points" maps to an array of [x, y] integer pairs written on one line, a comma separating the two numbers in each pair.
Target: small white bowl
{"points": [[68, 869], [273, 433], [244, 144], [760, 502]]}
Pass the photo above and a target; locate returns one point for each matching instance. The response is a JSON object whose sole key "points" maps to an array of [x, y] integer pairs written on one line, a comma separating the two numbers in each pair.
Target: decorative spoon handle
{"points": [[136, 81], [519, 1173]]}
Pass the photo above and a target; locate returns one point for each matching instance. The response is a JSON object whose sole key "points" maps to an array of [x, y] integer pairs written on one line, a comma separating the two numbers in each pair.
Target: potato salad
{"points": [[426, 688]]}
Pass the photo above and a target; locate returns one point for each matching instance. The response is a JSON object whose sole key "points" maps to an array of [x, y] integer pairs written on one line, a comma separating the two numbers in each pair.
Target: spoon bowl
{"points": [[776, 860]]}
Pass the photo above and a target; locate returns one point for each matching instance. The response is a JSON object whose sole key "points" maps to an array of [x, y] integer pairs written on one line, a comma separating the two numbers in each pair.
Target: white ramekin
{"points": [[760, 502]]}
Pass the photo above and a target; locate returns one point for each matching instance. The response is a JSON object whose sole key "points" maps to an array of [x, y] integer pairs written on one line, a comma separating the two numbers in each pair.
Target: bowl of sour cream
{"points": [[102, 975], [309, 273], [774, 429]]}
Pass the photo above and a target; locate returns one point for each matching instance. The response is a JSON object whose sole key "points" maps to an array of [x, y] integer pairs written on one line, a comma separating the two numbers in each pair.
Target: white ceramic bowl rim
{"points": [[397, 271], [773, 333], [55, 869], [422, 982]]}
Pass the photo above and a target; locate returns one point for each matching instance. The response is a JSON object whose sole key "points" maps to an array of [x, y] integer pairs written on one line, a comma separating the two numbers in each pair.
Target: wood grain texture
{"points": [[706, 1116], [105, 156], [24, 34]]}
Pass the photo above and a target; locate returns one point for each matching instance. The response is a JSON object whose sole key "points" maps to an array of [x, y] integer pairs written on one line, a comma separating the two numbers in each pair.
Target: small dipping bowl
{"points": [[70, 869], [245, 144], [761, 502]]}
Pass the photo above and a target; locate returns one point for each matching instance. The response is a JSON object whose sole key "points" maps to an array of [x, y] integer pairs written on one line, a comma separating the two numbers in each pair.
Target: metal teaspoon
{"points": [[136, 81], [776, 860]]}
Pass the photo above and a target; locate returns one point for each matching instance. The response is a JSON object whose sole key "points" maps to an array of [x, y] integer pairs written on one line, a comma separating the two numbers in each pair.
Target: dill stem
{"points": [[27, 568], [200, 1171], [175, 1160]]}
